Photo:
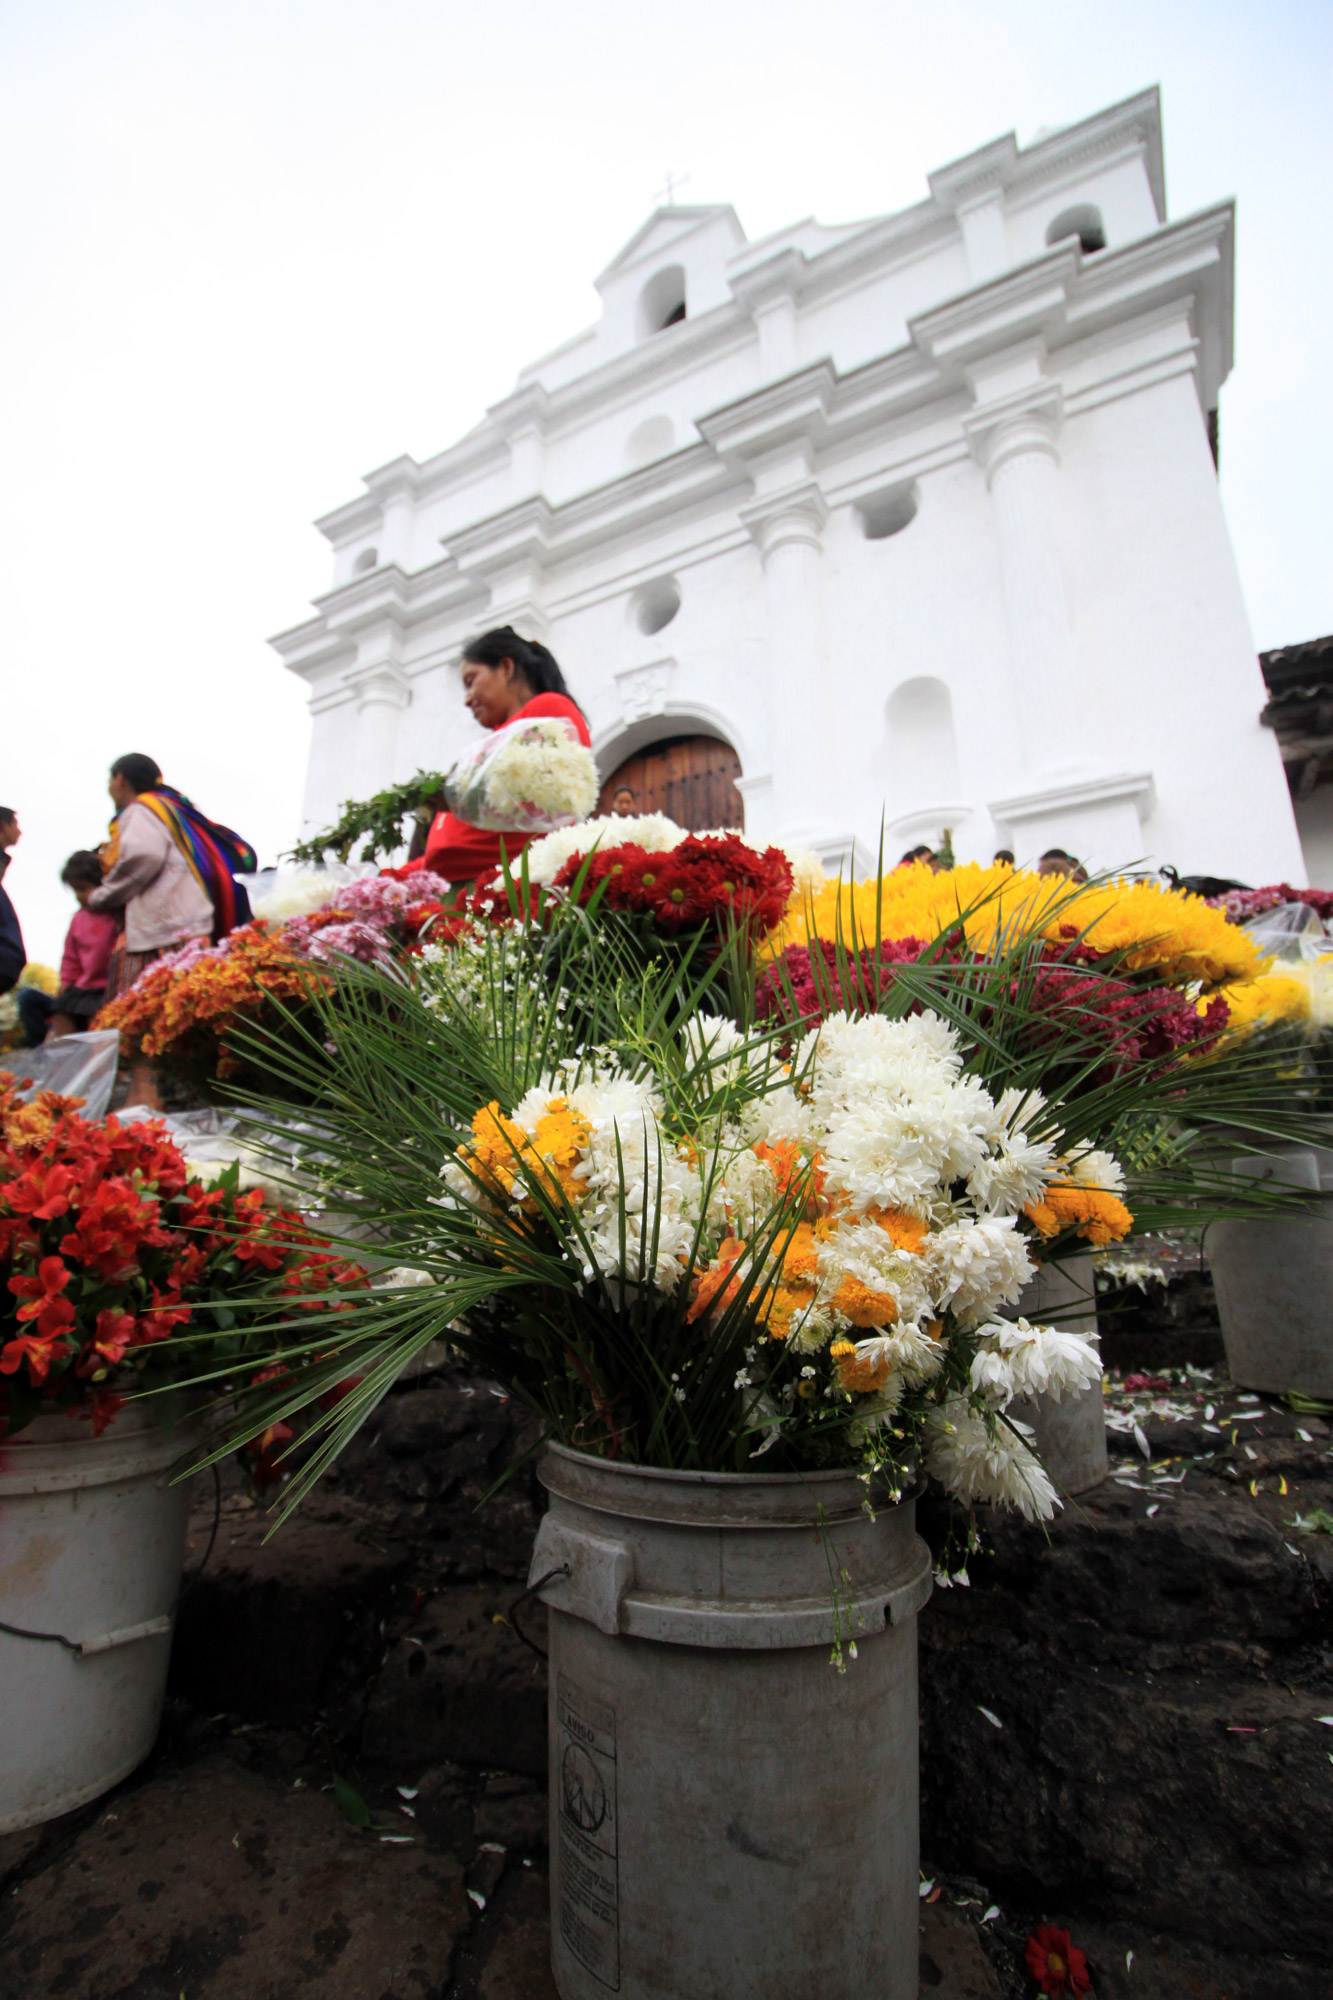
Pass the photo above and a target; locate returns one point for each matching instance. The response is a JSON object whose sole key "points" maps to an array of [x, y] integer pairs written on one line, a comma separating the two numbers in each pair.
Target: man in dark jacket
{"points": [[13, 958]]}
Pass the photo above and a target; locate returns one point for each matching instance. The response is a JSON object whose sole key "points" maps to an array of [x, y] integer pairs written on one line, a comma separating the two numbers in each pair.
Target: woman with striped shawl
{"points": [[168, 868]]}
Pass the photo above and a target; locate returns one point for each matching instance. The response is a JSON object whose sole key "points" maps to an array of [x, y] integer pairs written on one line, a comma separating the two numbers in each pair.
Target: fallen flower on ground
{"points": [[1057, 1965]]}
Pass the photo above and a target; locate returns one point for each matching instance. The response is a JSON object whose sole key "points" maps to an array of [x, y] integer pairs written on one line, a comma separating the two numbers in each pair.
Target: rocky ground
{"points": [[1120, 1730]]}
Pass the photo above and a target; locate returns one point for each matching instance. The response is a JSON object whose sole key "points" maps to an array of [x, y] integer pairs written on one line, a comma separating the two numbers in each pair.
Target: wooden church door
{"points": [[692, 779]]}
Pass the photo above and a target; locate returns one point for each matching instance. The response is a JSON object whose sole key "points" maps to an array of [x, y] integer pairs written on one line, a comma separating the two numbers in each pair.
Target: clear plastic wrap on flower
{"points": [[528, 777]]}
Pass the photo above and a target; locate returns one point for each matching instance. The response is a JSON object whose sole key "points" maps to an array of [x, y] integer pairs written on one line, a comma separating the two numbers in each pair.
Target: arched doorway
{"points": [[692, 779]]}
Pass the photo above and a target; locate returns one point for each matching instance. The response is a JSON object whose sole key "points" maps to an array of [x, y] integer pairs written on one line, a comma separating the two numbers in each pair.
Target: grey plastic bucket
{"points": [[1274, 1281], [1070, 1436], [92, 1537], [731, 1818]]}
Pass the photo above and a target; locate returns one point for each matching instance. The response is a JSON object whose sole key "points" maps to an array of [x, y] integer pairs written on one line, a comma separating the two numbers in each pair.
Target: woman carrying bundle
{"points": [[505, 679]]}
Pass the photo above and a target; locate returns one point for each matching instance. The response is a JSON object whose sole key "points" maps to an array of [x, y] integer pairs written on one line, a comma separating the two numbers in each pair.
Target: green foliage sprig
{"points": [[377, 822]]}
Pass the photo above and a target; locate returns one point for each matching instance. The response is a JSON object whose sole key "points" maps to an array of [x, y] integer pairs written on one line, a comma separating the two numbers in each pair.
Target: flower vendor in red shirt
{"points": [[504, 678], [83, 966]]}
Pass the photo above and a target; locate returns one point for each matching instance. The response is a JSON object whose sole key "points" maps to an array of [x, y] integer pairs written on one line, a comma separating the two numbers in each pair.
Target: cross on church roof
{"points": [[671, 183]]}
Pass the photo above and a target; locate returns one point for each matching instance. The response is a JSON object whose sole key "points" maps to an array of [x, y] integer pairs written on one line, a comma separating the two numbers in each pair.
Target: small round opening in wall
{"points": [[367, 560], [651, 439], [888, 513], [655, 605]]}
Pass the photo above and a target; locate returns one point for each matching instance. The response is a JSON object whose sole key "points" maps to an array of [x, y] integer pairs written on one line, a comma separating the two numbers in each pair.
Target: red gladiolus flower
{"points": [[50, 1278], [38, 1352], [115, 1333], [102, 1406], [1057, 1965], [165, 1312], [42, 1193]]}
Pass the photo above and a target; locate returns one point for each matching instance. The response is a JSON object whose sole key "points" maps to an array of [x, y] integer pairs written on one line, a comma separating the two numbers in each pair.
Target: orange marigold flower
{"points": [[863, 1378], [715, 1288], [561, 1136], [908, 1232], [862, 1305], [1097, 1215], [497, 1144], [789, 1167]]}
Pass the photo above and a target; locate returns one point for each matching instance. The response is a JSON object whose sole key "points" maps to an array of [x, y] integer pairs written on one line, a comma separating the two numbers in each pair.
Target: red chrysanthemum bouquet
{"points": [[111, 1257], [705, 893]]}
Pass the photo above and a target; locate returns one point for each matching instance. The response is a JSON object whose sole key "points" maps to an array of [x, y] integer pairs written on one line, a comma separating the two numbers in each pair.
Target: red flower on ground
{"points": [[1057, 1965]]}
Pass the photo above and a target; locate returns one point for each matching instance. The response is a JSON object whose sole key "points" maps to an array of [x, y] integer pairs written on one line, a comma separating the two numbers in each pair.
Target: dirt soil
{"points": [[1120, 1735]]}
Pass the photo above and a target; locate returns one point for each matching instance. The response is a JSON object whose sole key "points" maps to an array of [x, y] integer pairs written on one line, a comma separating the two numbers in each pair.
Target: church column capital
{"points": [[1010, 427], [794, 517], [379, 684]]}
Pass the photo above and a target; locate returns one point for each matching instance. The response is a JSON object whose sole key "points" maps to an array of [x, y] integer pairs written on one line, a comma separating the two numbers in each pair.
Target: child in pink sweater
{"points": [[83, 963]]}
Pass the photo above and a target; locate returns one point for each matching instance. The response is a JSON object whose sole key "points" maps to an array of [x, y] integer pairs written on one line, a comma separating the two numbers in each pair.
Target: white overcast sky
{"points": [[250, 251]]}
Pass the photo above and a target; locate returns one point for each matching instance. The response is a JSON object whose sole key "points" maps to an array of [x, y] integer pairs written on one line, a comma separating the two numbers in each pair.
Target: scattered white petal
{"points": [[1149, 1512], [925, 1888], [1129, 1960], [1141, 1441], [407, 1791], [477, 1898], [993, 1911], [994, 1719], [1305, 1437]]}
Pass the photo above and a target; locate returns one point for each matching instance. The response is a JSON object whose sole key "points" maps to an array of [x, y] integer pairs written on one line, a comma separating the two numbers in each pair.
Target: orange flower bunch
{"points": [[208, 996], [1094, 1213], [501, 1150]]}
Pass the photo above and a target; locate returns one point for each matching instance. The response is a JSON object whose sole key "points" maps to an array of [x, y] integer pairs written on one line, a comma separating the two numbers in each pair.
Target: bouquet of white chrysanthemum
{"points": [[529, 776]]}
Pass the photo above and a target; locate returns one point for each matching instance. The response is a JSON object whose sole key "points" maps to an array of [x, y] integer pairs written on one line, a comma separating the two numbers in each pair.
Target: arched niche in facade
{"points": [[662, 301], [922, 786], [1085, 222]]}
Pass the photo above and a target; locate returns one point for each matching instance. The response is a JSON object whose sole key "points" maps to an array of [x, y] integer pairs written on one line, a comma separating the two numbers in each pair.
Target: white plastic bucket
{"points": [[1274, 1279], [92, 1538], [1070, 1436], [731, 1818]]}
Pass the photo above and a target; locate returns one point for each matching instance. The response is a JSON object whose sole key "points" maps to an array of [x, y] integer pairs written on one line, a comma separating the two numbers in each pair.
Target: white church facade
{"points": [[914, 521]]}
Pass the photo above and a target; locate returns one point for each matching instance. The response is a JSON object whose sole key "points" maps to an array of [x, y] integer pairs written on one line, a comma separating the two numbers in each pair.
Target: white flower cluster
{"points": [[547, 856], [898, 1127], [1015, 1359], [295, 892], [975, 1463]]}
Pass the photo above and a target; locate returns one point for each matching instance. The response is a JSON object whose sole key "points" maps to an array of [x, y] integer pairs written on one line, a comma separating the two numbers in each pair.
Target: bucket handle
{"points": [[106, 1642]]}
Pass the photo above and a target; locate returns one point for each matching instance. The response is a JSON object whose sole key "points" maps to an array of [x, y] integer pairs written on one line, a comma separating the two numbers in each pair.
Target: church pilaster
{"points": [[1016, 440], [788, 529]]}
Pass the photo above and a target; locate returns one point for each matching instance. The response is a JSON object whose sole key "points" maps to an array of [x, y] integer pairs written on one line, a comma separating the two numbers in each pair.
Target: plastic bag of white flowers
{"points": [[529, 776]]}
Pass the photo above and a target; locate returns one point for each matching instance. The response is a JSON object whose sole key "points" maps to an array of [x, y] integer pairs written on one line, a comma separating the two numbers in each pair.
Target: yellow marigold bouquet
{"points": [[1173, 936]]}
